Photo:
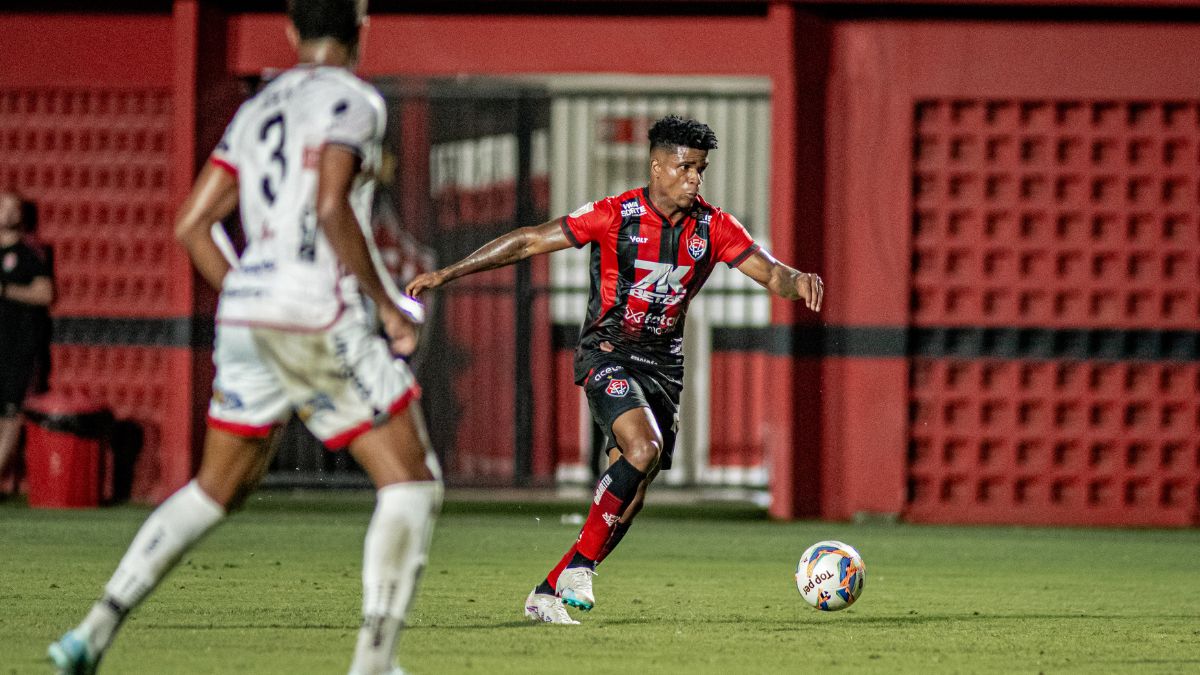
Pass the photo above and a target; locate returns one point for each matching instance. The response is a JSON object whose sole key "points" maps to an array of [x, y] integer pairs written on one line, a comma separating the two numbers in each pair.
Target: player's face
{"points": [[679, 174]]}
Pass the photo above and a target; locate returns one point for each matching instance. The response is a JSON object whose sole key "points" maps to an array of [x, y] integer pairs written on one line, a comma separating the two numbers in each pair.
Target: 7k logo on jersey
{"points": [[663, 284]]}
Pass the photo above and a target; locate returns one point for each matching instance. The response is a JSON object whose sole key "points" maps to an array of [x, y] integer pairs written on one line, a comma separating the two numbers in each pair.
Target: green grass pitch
{"points": [[276, 590]]}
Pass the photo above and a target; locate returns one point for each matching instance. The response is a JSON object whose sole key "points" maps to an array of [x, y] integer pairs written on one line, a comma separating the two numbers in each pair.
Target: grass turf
{"points": [[276, 590]]}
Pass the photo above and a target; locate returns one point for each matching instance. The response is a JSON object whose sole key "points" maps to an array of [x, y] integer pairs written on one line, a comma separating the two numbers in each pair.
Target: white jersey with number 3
{"points": [[288, 276]]}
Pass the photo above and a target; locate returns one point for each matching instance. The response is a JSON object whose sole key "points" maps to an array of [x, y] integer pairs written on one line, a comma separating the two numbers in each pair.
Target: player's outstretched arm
{"points": [[507, 249], [783, 280], [213, 198], [338, 166]]}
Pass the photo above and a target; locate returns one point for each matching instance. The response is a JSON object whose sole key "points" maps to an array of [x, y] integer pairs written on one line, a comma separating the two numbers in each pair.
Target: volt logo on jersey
{"points": [[617, 388]]}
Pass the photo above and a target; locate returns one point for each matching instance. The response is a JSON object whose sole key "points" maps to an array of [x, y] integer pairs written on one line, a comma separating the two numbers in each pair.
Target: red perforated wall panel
{"points": [[97, 161], [1062, 442], [1075, 219], [1056, 213]]}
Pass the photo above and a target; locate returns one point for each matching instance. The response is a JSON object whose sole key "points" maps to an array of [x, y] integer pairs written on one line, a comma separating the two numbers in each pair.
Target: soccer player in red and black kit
{"points": [[652, 248]]}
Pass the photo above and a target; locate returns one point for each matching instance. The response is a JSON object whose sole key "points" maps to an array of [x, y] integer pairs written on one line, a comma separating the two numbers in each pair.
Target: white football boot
{"points": [[72, 655], [546, 608], [575, 587]]}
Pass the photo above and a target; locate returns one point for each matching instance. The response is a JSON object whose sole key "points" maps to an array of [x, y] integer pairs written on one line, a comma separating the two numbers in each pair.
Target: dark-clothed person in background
{"points": [[26, 291]]}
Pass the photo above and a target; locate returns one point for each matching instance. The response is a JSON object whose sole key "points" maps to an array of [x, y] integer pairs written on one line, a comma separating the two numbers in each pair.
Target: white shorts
{"points": [[341, 382]]}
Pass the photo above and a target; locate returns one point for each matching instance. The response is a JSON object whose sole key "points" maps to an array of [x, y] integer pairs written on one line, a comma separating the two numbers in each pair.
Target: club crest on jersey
{"points": [[696, 247], [617, 388], [632, 208]]}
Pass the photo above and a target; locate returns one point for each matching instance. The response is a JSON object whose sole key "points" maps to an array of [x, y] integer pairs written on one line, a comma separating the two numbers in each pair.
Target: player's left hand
{"points": [[811, 289], [425, 282]]}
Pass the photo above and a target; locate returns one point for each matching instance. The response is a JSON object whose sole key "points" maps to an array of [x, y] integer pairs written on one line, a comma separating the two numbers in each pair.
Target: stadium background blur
{"points": [[1001, 196]]}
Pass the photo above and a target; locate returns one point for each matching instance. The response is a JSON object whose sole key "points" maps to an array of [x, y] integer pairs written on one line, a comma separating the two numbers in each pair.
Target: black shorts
{"points": [[15, 377], [613, 389]]}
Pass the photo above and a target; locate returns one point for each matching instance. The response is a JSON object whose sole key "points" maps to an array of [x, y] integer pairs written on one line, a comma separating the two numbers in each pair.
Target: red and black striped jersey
{"points": [[645, 272]]}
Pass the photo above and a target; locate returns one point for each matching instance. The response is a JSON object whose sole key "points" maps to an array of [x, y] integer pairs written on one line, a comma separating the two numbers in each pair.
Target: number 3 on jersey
{"points": [[270, 184]]}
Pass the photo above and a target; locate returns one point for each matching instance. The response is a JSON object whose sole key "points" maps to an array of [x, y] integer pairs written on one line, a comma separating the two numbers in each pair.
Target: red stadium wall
{"points": [[98, 125], [86, 129], [1024, 197]]}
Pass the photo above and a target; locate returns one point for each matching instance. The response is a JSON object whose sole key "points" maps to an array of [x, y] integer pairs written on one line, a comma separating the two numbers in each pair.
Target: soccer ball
{"points": [[830, 575]]}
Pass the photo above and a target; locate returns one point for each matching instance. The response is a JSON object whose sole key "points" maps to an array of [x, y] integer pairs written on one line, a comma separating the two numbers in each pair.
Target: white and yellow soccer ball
{"points": [[830, 575]]}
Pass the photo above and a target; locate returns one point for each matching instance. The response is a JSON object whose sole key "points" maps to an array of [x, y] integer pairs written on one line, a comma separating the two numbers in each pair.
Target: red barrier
{"points": [[65, 452]]}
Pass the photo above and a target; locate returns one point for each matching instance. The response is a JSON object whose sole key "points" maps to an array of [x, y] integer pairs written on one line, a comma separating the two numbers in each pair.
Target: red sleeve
{"points": [[589, 222], [733, 244]]}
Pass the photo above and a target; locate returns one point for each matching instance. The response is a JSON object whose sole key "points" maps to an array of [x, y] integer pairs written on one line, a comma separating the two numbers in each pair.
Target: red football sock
{"points": [[615, 538], [601, 518], [552, 578], [617, 487]]}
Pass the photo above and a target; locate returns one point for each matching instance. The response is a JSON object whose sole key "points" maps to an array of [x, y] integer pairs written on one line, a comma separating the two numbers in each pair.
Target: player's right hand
{"points": [[424, 282], [401, 331]]}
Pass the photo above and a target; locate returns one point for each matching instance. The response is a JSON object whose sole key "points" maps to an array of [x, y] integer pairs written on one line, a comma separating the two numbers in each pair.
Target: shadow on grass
{"points": [[363, 501], [249, 626], [526, 623], [921, 619], [707, 511], [518, 623], [1144, 662]]}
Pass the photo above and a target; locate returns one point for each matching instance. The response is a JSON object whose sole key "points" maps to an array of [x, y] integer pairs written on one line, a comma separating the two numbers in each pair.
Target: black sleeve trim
{"points": [[745, 254], [567, 231]]}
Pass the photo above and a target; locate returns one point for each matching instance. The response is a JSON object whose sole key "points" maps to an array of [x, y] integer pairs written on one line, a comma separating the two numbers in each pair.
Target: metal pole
{"points": [[523, 300]]}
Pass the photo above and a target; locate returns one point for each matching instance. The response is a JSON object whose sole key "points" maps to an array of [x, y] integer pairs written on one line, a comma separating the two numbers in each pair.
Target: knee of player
{"points": [[643, 452]]}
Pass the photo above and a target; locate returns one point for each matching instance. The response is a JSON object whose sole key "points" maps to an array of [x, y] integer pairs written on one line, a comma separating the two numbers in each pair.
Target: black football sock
{"points": [[581, 560]]}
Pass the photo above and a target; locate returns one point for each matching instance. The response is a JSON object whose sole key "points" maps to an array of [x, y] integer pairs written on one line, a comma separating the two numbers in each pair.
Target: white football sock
{"points": [[171, 529], [394, 555]]}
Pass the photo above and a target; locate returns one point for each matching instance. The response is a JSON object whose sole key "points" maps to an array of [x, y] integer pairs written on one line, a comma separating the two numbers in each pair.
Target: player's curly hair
{"points": [[337, 19], [674, 131]]}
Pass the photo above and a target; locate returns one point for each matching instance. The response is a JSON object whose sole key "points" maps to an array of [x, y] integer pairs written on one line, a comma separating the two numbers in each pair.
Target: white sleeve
{"points": [[356, 121]]}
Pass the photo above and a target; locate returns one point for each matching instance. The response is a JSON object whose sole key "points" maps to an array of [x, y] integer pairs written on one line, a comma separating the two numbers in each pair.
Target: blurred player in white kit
{"points": [[295, 333]]}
